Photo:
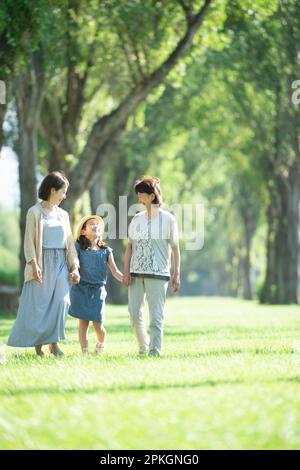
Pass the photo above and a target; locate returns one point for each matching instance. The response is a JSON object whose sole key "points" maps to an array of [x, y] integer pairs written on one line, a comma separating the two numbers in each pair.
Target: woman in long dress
{"points": [[50, 258]]}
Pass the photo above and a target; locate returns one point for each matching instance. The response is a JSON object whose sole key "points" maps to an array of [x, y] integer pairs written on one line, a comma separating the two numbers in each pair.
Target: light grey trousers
{"points": [[154, 290]]}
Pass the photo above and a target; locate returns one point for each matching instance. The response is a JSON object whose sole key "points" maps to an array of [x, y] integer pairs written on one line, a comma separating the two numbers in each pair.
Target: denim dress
{"points": [[88, 297]]}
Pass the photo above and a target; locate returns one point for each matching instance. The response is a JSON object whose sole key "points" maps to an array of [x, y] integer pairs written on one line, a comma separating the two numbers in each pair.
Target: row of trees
{"points": [[198, 92]]}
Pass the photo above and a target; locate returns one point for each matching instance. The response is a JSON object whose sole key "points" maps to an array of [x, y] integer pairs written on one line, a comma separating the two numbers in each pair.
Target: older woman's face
{"points": [[145, 198]]}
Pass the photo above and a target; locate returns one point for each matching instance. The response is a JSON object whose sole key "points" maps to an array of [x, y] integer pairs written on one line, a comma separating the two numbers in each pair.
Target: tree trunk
{"points": [[249, 229], [281, 282], [29, 93], [247, 289], [117, 293], [98, 193], [61, 128], [2, 114]]}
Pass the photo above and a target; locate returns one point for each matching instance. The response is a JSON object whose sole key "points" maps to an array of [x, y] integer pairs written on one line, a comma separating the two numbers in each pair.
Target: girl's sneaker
{"points": [[100, 348]]}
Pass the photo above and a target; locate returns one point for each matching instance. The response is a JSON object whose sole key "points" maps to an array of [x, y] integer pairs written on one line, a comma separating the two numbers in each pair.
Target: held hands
{"points": [[126, 279], [74, 276], [38, 276], [175, 282]]}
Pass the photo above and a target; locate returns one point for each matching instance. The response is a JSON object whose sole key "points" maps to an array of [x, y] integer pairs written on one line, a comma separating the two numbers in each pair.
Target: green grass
{"points": [[229, 379]]}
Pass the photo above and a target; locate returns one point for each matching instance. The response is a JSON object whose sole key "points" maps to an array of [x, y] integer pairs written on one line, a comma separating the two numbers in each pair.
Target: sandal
{"points": [[54, 349]]}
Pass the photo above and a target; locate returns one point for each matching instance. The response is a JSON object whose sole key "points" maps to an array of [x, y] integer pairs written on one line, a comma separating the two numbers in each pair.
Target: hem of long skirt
{"points": [[44, 343]]}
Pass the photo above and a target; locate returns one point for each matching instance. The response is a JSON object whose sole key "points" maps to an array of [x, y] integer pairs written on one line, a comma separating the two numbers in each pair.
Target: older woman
{"points": [[153, 234], [50, 253]]}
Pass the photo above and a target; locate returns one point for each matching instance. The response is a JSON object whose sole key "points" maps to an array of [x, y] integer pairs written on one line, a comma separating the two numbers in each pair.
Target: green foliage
{"points": [[208, 155], [20, 31], [9, 247], [9, 267], [207, 131]]}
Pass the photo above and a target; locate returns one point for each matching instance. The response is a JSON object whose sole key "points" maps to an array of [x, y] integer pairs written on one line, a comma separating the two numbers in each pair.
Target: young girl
{"points": [[88, 297]]}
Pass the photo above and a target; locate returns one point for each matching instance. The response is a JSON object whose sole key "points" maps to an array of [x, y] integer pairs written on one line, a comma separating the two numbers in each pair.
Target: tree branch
{"points": [[108, 125], [187, 11], [127, 55]]}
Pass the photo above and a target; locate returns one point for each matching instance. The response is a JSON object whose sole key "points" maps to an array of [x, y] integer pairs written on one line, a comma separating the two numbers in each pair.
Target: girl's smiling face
{"points": [[92, 229]]}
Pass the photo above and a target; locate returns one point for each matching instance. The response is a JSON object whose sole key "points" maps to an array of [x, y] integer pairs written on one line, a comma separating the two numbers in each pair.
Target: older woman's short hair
{"points": [[149, 185]]}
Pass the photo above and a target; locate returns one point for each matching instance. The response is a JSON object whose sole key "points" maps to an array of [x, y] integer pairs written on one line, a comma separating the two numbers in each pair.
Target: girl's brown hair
{"points": [[85, 243]]}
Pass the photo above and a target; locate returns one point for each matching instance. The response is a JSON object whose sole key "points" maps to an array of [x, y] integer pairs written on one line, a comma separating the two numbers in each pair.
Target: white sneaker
{"points": [[100, 348], [143, 353]]}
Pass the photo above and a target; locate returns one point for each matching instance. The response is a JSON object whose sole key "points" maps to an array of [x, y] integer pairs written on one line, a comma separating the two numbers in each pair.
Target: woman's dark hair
{"points": [[56, 180], [149, 185]]}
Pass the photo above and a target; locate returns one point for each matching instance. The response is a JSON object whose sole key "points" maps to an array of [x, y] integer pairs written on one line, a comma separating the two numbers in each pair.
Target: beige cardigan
{"points": [[34, 238]]}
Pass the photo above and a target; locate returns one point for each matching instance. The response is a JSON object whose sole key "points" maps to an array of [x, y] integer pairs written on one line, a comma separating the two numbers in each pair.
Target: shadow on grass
{"points": [[120, 328], [232, 352], [142, 387], [29, 359], [225, 332], [117, 388], [111, 329]]}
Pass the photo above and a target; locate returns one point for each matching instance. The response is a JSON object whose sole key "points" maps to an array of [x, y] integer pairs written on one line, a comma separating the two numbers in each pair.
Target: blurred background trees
{"points": [[196, 92]]}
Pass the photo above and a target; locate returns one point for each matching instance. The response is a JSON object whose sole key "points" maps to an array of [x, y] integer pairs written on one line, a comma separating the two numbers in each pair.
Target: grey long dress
{"points": [[43, 307]]}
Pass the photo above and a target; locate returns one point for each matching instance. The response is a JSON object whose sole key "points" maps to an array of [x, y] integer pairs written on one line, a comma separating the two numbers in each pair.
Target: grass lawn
{"points": [[229, 379]]}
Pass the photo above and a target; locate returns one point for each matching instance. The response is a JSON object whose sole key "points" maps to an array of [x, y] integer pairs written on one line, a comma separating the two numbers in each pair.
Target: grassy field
{"points": [[229, 379]]}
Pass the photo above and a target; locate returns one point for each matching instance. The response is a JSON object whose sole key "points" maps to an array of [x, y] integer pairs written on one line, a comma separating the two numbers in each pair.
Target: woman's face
{"points": [[145, 199], [56, 197]]}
